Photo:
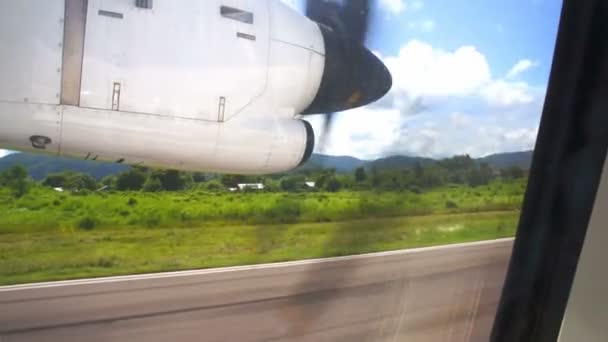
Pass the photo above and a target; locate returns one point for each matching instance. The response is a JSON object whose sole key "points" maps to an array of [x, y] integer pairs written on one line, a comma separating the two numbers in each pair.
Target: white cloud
{"points": [[379, 127], [393, 6], [519, 67], [423, 75], [460, 120], [443, 102], [479, 137], [421, 70], [501, 93], [425, 25]]}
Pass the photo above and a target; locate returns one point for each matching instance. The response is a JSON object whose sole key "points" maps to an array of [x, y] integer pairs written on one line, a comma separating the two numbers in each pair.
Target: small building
{"points": [[250, 186], [310, 184]]}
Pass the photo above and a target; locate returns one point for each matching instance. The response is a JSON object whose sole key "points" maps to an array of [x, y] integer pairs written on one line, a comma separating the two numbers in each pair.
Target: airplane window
{"points": [[356, 173], [236, 14]]}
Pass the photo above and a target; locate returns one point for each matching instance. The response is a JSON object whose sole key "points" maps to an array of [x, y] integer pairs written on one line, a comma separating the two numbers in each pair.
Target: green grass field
{"points": [[46, 235], [43, 209], [69, 254]]}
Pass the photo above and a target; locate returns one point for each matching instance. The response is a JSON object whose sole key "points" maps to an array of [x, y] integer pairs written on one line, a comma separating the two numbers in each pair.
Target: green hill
{"points": [[40, 165]]}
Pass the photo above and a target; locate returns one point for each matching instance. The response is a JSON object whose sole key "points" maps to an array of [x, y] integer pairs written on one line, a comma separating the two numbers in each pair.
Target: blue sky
{"points": [[469, 77]]}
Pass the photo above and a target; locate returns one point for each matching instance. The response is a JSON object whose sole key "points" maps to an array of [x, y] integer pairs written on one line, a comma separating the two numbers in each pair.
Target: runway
{"points": [[447, 293]]}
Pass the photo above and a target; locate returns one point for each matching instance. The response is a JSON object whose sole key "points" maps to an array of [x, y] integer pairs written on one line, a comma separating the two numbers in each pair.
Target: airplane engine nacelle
{"points": [[247, 145], [255, 146]]}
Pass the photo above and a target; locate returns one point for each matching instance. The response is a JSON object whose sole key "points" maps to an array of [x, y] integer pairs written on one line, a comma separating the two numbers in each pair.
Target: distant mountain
{"points": [[399, 162], [348, 164], [339, 163], [40, 165], [501, 160]]}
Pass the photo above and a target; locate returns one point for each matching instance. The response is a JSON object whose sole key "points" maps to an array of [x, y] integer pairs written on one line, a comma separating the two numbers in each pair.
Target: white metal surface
{"points": [[294, 77], [289, 26], [177, 58], [31, 36], [20, 121], [152, 80], [242, 145]]}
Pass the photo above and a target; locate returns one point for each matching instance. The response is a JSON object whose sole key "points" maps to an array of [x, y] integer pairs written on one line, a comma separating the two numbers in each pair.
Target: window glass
{"points": [[398, 227]]}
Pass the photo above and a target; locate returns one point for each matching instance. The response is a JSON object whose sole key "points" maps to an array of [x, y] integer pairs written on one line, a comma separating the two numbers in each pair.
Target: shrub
{"points": [[81, 192], [130, 180], [213, 185], [450, 204], [152, 185], [151, 218], [16, 178], [104, 261], [415, 189], [87, 223], [132, 201]]}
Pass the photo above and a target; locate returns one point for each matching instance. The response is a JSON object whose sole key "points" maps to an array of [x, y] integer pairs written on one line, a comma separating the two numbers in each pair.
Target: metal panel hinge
{"points": [[116, 96], [221, 108]]}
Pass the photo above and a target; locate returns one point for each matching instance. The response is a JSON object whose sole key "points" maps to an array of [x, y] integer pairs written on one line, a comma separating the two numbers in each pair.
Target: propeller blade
{"points": [[353, 75], [327, 124], [350, 20]]}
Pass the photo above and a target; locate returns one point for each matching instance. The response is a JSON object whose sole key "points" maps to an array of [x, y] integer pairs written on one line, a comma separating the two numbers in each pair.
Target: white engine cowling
{"points": [[242, 145], [247, 145]]}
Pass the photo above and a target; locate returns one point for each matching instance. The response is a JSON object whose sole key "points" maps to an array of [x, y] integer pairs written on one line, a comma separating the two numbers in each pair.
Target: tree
{"points": [[512, 172], [323, 178], [376, 177], [292, 183], [55, 180], [80, 181], [360, 175], [171, 180], [333, 184], [198, 177], [271, 185], [152, 185], [109, 181], [133, 179], [480, 175], [213, 185], [70, 180], [16, 178]]}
